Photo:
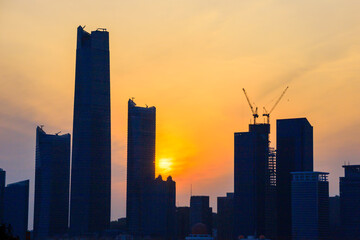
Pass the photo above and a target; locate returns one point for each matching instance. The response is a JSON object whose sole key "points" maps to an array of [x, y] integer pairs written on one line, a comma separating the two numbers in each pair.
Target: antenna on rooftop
{"points": [[57, 133]]}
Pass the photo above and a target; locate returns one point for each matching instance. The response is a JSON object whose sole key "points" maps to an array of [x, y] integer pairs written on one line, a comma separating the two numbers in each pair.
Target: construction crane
{"points": [[266, 113], [254, 112]]}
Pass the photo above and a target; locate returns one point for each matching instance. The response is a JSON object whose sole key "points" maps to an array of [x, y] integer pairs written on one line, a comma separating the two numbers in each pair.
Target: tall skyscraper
{"points": [[140, 165], [2, 192], [200, 212], [16, 207], [310, 206], [225, 217], [52, 176], [91, 154], [251, 180], [350, 202], [294, 153]]}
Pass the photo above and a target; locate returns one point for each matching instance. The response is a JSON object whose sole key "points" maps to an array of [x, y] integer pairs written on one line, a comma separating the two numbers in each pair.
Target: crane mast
{"points": [[254, 112], [266, 113]]}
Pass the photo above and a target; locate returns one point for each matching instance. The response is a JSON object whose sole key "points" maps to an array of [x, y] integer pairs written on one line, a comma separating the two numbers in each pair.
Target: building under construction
{"points": [[255, 178]]}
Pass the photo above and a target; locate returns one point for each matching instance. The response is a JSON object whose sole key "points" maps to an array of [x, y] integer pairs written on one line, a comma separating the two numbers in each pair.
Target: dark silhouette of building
{"points": [[225, 217], [350, 202], [52, 176], [182, 222], [252, 177], [140, 165], [91, 155], [294, 153], [2, 192], [200, 212], [334, 218], [310, 206], [16, 207], [161, 209]]}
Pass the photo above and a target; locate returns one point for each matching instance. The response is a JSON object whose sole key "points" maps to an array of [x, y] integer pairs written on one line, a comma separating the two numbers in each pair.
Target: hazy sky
{"points": [[190, 59]]}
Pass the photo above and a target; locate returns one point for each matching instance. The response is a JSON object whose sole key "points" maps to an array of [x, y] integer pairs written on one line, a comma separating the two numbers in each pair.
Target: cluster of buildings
{"points": [[277, 194]]}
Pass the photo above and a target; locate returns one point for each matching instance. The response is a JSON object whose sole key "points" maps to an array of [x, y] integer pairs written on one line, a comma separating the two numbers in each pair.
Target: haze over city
{"points": [[190, 60]]}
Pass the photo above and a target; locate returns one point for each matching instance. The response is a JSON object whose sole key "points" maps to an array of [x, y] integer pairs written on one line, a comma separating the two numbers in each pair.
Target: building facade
{"points": [[200, 212], [310, 205], [294, 153], [182, 222], [251, 180], [161, 210], [91, 154], [140, 166], [350, 202], [52, 180], [225, 217], [16, 207]]}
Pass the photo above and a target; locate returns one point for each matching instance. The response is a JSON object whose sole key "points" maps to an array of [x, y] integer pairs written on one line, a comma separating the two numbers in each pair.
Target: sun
{"points": [[164, 165]]}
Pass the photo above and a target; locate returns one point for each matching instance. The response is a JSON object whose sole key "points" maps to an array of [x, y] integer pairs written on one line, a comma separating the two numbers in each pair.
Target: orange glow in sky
{"points": [[189, 59]]}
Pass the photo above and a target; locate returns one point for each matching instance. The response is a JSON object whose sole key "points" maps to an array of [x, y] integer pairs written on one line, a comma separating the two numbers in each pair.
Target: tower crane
{"points": [[254, 112], [266, 113]]}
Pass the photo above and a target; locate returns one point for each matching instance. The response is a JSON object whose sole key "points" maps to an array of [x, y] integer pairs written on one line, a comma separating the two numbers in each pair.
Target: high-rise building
{"points": [[182, 222], [251, 180], [160, 216], [225, 217], [294, 153], [350, 202], [91, 154], [2, 192], [310, 205], [16, 207], [140, 165], [200, 212], [52, 176]]}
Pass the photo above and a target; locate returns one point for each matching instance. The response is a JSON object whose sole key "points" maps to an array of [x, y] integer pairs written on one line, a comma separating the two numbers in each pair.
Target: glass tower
{"points": [[91, 155]]}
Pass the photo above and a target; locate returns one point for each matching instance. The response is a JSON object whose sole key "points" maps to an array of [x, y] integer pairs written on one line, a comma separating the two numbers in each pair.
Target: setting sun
{"points": [[164, 165]]}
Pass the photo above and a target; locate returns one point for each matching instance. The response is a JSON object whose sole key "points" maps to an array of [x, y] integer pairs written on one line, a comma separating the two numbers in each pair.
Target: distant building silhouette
{"points": [[294, 153], [253, 195], [200, 212], [334, 218], [350, 202], [182, 222], [2, 192], [91, 154], [310, 206], [52, 176], [225, 217], [140, 165], [16, 207]]}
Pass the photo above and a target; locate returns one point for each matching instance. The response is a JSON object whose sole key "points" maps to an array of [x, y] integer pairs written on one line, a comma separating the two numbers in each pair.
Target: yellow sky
{"points": [[190, 59]]}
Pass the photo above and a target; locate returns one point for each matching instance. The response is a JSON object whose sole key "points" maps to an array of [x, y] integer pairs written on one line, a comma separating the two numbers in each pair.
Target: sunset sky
{"points": [[190, 59]]}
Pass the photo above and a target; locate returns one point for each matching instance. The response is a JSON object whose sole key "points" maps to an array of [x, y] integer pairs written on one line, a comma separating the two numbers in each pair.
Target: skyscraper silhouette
{"points": [[140, 165], [251, 178], [52, 176], [294, 140], [350, 202], [16, 207], [91, 155], [310, 205], [201, 212]]}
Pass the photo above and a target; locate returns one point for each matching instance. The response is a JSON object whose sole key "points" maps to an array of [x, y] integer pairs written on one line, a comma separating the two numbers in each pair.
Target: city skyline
{"points": [[194, 100]]}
